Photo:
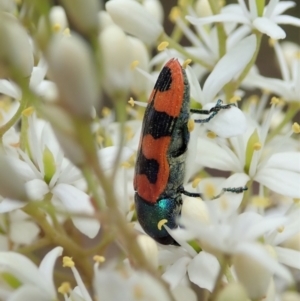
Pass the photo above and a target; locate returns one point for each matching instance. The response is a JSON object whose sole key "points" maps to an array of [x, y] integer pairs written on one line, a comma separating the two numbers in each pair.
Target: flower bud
{"points": [[104, 20], [254, 277], [149, 248], [58, 18], [8, 6], [233, 292], [11, 185], [84, 14], [116, 51], [202, 8], [72, 68], [290, 296], [134, 19], [155, 8], [15, 52], [194, 208]]}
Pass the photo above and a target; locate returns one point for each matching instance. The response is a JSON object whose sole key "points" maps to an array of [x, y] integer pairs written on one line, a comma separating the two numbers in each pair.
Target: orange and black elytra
{"points": [[160, 165]]}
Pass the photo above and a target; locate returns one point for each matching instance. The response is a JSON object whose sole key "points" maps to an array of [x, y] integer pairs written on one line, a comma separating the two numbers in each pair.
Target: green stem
{"points": [[288, 116], [93, 186], [58, 239], [41, 243], [182, 50], [15, 118], [218, 284]]}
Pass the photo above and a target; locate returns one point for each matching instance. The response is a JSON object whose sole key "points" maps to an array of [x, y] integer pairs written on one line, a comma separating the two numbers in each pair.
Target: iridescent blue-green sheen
{"points": [[149, 215]]}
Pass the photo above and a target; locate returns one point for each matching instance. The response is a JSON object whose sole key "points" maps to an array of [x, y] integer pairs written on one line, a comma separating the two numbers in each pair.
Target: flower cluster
{"points": [[69, 138]]}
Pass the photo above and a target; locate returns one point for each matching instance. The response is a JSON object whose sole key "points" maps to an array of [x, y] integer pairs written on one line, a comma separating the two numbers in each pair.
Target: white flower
{"points": [[16, 51], [72, 68], [18, 229], [134, 19], [46, 170], [288, 87], [37, 282], [250, 153], [267, 23], [44, 88]]}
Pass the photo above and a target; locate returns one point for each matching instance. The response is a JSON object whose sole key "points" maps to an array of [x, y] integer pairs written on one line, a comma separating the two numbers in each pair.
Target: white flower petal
{"points": [[36, 189], [47, 266], [196, 91], [212, 155], [284, 19], [225, 17], [281, 181], [133, 18], [24, 232], [228, 122], [289, 257], [29, 273], [30, 292], [229, 66], [183, 293], [176, 272], [10, 89], [107, 156], [8, 205], [258, 253], [203, 270], [76, 201], [282, 6], [286, 161], [269, 28]]}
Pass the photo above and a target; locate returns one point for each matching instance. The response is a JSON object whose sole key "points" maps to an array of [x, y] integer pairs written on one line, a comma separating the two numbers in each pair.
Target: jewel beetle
{"points": [[160, 164]]}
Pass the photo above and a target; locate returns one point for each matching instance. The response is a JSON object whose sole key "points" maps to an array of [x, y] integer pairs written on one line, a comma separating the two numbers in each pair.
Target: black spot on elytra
{"points": [[148, 167], [159, 124], [164, 80]]}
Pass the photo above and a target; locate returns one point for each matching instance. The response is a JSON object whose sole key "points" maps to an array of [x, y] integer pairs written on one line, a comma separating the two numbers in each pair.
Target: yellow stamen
{"points": [[195, 182], [234, 99], [191, 125], [174, 14], [211, 135], [99, 259], [100, 139], [297, 55], [126, 164], [106, 112], [254, 99], [56, 27], [210, 190], [134, 64], [183, 3], [257, 146], [68, 262], [260, 201], [162, 46], [64, 288], [131, 101], [186, 63], [266, 91], [274, 100], [28, 111], [67, 32], [138, 292], [296, 128], [161, 223], [296, 201], [272, 42], [280, 229]]}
